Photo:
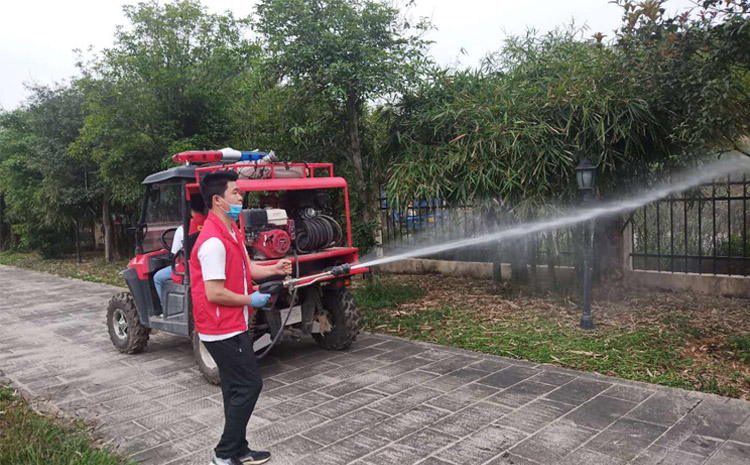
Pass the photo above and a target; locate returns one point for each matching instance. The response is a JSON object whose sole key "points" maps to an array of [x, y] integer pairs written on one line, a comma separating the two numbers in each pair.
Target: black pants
{"points": [[241, 384]]}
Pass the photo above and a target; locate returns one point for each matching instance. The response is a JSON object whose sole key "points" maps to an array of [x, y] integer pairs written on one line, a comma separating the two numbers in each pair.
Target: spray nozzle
{"points": [[341, 269]]}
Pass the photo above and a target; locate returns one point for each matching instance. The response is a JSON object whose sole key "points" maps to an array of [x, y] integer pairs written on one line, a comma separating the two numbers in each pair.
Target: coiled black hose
{"points": [[315, 233]]}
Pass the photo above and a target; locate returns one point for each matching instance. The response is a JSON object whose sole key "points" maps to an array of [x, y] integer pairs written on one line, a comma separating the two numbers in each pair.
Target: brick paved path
{"points": [[386, 401]]}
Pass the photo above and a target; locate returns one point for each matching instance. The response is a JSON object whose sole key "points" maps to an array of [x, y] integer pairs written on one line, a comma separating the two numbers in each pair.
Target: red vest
{"points": [[210, 318], [196, 224]]}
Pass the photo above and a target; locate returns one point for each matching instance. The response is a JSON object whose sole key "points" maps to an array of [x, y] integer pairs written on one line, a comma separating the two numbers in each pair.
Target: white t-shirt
{"points": [[179, 236], [213, 258]]}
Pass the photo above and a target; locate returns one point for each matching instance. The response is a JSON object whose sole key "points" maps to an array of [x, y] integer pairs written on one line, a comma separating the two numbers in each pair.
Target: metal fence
{"points": [[703, 230], [423, 223]]}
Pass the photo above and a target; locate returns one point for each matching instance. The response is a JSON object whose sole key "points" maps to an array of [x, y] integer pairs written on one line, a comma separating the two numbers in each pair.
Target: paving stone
{"points": [[400, 353], [411, 449], [463, 396], [554, 442], [625, 439], [721, 420], [405, 381], [483, 445], [589, 457], [742, 433], [342, 405], [600, 412], [521, 393], [471, 419], [160, 454], [433, 461], [534, 416], [507, 458], [349, 449], [678, 457], [664, 409], [272, 433], [489, 366], [700, 445], [553, 378], [731, 453], [289, 450], [356, 383], [633, 394], [455, 379], [578, 391], [345, 426], [449, 364], [508, 377], [406, 423], [398, 401], [292, 406], [356, 356], [435, 355], [305, 372], [151, 439], [405, 400]]}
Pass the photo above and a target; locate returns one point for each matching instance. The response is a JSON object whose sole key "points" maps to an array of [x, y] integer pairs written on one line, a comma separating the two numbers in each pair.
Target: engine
{"points": [[302, 224], [268, 232]]}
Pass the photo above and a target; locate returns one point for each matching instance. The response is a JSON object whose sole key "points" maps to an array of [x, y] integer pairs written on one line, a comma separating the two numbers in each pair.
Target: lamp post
{"points": [[585, 176]]}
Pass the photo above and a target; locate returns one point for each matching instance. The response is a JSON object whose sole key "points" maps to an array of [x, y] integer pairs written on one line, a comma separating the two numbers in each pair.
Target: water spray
{"points": [[728, 165]]}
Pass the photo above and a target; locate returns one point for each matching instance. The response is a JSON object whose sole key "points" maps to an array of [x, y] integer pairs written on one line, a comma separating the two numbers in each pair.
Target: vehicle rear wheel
{"points": [[125, 328], [343, 315], [205, 361]]}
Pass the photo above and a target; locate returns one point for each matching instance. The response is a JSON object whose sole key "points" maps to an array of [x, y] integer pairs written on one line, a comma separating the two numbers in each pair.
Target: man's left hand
{"points": [[283, 267]]}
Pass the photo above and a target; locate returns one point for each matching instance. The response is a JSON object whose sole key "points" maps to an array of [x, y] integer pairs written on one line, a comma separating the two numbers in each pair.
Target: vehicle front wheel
{"points": [[127, 333], [342, 314]]}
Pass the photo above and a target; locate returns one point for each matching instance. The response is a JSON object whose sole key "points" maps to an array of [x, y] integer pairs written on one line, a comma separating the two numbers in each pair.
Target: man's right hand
{"points": [[259, 299]]}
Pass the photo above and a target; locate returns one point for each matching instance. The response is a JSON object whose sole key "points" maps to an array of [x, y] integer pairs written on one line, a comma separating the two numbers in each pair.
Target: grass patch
{"points": [[94, 268], [29, 438], [740, 345], [386, 295]]}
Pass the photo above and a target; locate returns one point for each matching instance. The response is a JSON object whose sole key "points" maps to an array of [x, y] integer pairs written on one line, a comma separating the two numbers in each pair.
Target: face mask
{"points": [[234, 211]]}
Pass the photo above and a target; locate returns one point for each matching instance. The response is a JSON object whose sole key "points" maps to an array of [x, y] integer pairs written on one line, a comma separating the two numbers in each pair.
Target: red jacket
{"points": [[210, 318], [196, 224]]}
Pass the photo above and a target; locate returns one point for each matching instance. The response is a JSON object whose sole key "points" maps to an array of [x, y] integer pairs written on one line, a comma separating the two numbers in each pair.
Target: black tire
{"points": [[206, 363], [343, 312], [125, 329]]}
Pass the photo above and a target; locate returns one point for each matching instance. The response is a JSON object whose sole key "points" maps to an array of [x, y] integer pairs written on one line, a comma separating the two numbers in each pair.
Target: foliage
{"points": [[166, 84], [341, 55], [667, 92], [48, 192]]}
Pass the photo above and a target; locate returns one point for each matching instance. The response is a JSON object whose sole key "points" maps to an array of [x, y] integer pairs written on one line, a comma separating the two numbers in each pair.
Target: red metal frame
{"points": [[140, 262], [285, 184]]}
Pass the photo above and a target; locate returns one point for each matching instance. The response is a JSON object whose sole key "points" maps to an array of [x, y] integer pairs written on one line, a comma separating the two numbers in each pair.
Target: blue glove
{"points": [[259, 299]]}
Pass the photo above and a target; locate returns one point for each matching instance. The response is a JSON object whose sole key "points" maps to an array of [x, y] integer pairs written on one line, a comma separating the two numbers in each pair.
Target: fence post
{"points": [[627, 249]]}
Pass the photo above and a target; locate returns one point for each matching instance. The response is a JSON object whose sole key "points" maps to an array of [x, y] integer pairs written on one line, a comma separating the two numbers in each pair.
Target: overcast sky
{"points": [[37, 37]]}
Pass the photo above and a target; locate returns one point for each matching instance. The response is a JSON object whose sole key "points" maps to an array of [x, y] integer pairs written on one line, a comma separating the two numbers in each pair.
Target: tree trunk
{"points": [[353, 113], [109, 246], [552, 258], [78, 243], [608, 249]]}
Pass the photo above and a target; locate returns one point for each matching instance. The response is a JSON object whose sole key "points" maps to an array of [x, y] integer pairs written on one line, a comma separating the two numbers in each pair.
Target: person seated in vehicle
{"points": [[198, 217]]}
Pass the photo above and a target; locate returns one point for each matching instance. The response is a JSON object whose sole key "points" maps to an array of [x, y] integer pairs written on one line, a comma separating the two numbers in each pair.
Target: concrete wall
{"points": [[565, 275], [731, 286]]}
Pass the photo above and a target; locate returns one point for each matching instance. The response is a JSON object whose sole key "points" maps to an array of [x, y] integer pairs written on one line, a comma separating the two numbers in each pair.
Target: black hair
{"points": [[216, 184], [197, 204]]}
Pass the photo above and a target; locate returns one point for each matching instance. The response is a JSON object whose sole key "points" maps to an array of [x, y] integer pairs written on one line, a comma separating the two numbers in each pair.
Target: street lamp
{"points": [[585, 176]]}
